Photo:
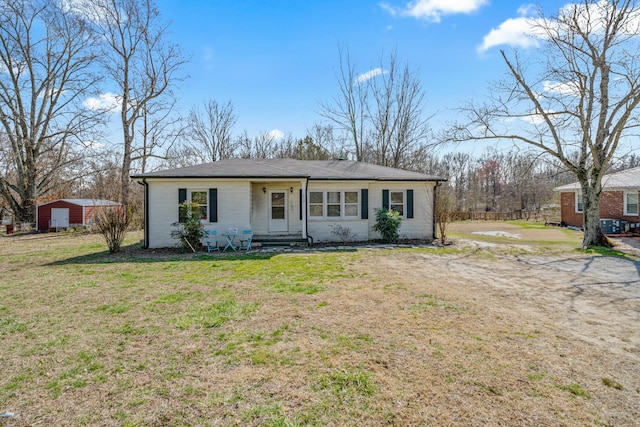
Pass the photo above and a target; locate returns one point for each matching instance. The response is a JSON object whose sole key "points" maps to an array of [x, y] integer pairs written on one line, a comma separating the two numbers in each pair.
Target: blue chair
{"points": [[211, 240], [245, 240]]}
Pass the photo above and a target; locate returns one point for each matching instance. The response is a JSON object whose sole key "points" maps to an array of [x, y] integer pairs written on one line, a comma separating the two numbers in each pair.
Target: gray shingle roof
{"points": [[85, 202], [629, 178], [290, 168]]}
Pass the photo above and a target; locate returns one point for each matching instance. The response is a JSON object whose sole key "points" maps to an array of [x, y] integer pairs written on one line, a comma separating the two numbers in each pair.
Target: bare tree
{"points": [[398, 124], [381, 111], [46, 59], [578, 102], [264, 146], [348, 108], [210, 130], [139, 62], [161, 130]]}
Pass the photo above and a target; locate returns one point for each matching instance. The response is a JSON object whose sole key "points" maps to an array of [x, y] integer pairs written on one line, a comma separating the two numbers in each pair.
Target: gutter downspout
{"points": [[435, 188], [306, 214]]}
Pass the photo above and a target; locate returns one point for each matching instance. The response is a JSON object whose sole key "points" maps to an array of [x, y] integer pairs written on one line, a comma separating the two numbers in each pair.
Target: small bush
{"points": [[388, 225], [343, 233], [113, 224], [190, 231]]}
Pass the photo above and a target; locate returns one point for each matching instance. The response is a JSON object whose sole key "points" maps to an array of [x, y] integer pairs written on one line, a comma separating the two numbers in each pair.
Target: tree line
{"points": [[68, 68]]}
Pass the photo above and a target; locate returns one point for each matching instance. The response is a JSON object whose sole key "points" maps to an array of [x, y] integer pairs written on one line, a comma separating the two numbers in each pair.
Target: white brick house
{"points": [[285, 197]]}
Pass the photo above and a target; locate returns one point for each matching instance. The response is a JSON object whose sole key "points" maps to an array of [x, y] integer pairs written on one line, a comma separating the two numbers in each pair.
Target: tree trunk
{"points": [[593, 235]]}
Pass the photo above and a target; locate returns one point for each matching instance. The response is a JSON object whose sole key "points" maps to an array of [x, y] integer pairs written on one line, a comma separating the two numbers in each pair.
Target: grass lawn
{"points": [[367, 337]]}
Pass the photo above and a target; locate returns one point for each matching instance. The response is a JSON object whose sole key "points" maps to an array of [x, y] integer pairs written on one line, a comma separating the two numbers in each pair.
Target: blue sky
{"points": [[275, 60]]}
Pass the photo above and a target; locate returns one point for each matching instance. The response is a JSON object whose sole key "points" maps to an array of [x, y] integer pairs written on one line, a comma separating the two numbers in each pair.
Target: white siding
{"points": [[233, 207], [418, 227], [260, 206], [243, 204]]}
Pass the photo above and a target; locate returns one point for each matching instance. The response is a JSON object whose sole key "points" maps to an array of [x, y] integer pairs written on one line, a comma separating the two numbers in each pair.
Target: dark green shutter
{"points": [[409, 203], [182, 197], [364, 203], [385, 199], [301, 204], [213, 205]]}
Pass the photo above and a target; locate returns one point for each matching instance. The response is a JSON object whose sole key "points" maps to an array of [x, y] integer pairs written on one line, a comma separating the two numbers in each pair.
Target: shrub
{"points": [[190, 230], [113, 224], [388, 225]]}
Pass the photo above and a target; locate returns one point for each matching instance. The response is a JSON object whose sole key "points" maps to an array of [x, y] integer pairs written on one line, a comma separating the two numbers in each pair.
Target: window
{"points": [[205, 203], [396, 201], [579, 207], [631, 203], [334, 204], [351, 203], [199, 201], [316, 204]]}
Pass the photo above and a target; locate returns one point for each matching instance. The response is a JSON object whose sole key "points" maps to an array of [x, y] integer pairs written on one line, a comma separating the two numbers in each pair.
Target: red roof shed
{"points": [[65, 213]]}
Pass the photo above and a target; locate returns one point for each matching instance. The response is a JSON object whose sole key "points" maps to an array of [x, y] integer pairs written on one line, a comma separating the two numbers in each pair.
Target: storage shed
{"points": [[66, 213]]}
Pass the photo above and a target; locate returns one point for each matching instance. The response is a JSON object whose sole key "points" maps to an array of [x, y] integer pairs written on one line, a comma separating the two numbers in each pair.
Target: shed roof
{"points": [[291, 168], [84, 202], [629, 178]]}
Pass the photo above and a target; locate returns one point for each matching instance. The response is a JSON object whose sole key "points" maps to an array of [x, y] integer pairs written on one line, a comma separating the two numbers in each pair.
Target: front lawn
{"points": [[367, 337]]}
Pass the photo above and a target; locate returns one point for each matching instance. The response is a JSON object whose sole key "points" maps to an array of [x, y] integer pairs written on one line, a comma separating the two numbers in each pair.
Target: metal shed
{"points": [[65, 213]]}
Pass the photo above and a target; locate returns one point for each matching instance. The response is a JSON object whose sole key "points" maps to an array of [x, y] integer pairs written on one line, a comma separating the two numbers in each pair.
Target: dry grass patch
{"points": [[397, 337]]}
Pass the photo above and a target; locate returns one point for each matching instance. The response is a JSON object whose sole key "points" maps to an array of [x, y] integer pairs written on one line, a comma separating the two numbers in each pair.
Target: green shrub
{"points": [[388, 225], [190, 230]]}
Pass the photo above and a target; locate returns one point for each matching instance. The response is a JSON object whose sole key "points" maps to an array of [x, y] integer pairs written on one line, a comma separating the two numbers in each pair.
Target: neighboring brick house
{"points": [[619, 198]]}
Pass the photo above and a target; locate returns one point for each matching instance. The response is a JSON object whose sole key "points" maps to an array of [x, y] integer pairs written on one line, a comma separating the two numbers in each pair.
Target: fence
{"points": [[503, 216]]}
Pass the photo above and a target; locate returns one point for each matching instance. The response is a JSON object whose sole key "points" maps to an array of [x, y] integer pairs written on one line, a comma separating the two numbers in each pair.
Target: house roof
{"points": [[290, 168], [629, 178], [85, 202]]}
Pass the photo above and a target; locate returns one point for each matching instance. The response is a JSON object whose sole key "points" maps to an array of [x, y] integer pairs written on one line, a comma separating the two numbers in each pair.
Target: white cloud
{"points": [[369, 75], [276, 134], [105, 101], [525, 30], [569, 88], [517, 32], [93, 145], [433, 10]]}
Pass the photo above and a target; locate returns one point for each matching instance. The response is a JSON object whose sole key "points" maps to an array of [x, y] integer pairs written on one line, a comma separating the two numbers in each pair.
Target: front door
{"points": [[278, 212], [59, 218]]}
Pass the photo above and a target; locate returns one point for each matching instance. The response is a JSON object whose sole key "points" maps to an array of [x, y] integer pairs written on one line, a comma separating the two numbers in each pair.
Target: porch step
{"points": [[281, 240]]}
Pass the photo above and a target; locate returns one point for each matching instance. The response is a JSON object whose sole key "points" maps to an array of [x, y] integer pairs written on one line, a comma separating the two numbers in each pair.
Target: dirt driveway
{"points": [[581, 311]]}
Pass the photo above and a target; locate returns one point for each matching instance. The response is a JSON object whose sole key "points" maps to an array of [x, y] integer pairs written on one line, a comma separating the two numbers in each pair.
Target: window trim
{"points": [[190, 192], [625, 203], [578, 202], [343, 203], [404, 202]]}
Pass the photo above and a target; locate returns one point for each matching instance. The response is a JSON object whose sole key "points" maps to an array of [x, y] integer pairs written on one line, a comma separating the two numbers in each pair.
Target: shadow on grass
{"points": [[134, 253]]}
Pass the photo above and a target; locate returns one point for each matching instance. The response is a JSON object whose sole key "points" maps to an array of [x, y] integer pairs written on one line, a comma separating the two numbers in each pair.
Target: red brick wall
{"points": [[611, 207]]}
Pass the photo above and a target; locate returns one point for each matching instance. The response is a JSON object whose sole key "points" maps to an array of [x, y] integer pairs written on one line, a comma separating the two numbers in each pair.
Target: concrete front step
{"points": [[278, 240]]}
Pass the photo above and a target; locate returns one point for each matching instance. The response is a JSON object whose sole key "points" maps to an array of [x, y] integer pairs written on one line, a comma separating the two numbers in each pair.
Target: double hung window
{"points": [[396, 201], [579, 206], [199, 203], [631, 203]]}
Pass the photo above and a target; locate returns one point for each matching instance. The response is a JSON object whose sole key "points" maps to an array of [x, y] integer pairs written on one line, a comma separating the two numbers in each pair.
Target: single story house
{"points": [[314, 200], [618, 200], [65, 213]]}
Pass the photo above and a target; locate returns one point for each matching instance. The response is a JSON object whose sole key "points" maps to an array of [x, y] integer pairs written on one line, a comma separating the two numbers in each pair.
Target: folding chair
{"points": [[211, 240], [245, 240]]}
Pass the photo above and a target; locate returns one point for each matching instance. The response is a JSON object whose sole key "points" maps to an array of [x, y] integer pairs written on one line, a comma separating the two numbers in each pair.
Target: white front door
{"points": [[278, 211], [59, 218]]}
